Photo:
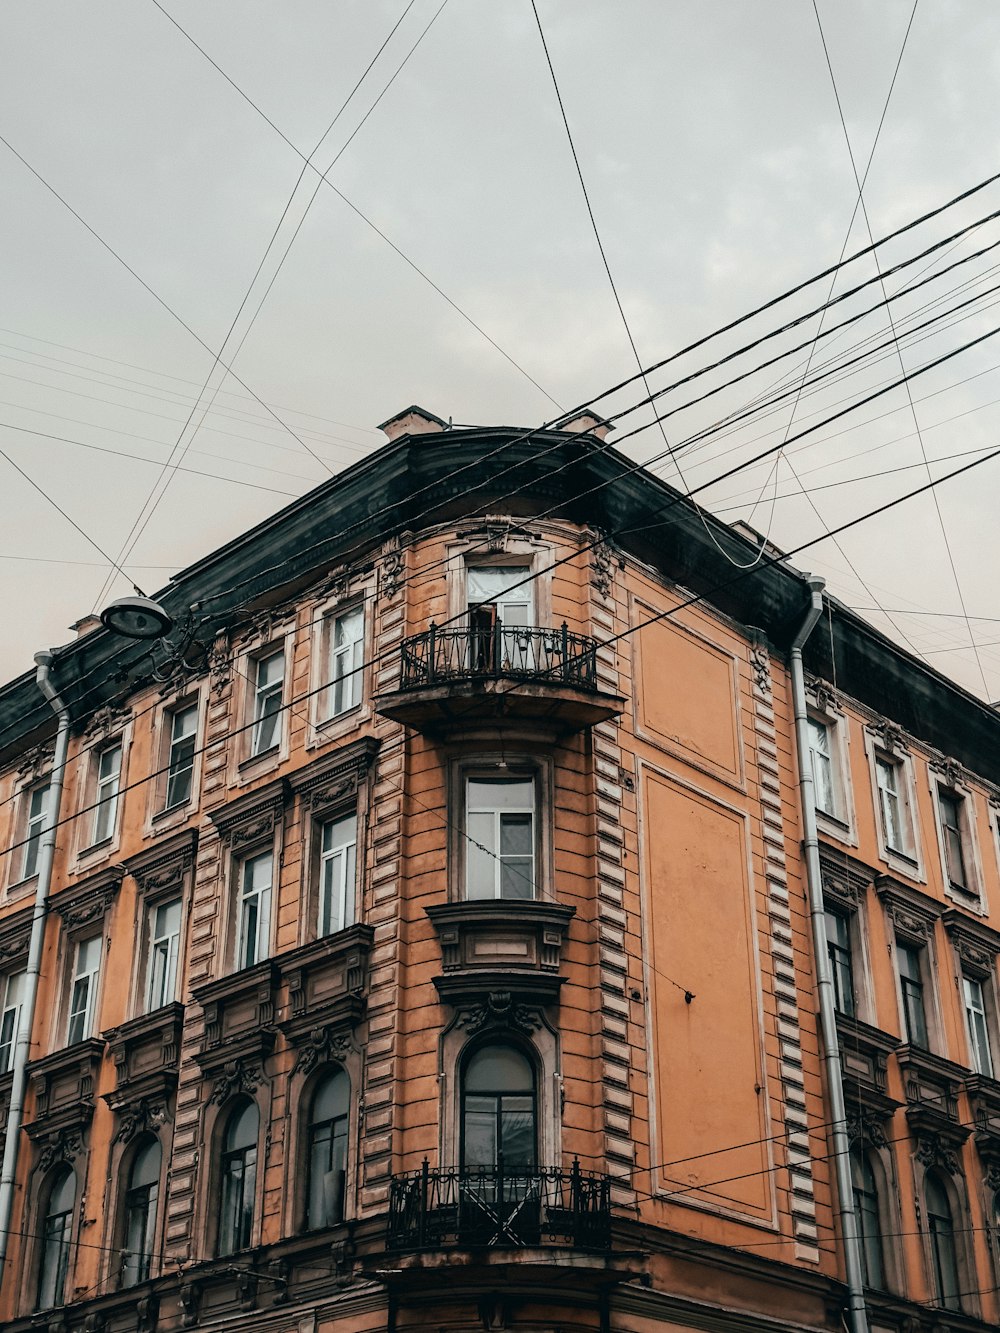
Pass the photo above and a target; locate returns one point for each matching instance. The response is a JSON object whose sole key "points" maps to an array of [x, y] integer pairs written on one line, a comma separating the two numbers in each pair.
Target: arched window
{"points": [[866, 1208], [499, 1110], [941, 1227], [238, 1178], [57, 1224], [328, 1150], [140, 1212]]}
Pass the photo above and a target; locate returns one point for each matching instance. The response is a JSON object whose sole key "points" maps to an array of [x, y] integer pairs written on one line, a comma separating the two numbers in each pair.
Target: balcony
{"points": [[468, 674], [491, 1208]]}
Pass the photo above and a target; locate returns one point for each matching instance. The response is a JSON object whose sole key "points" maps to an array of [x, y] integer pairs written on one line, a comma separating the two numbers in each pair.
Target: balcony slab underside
{"points": [[467, 701]]}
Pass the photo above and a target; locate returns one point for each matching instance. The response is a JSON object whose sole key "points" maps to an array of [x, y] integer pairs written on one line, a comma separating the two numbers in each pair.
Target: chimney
{"points": [[413, 420], [586, 421], [86, 625]]}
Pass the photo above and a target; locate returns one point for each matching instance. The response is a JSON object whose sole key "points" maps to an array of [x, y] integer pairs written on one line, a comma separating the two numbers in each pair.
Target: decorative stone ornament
{"points": [[237, 1076], [500, 1010]]}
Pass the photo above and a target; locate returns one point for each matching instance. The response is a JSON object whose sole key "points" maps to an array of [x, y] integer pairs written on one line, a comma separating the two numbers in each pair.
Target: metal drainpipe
{"points": [[22, 1047], [827, 1006]]}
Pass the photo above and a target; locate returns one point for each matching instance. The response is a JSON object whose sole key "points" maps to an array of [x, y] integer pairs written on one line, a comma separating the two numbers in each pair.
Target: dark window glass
{"points": [[140, 1213], [498, 1110], [866, 1208], [942, 1233], [238, 1179], [912, 986], [950, 807], [56, 1226], [838, 948], [328, 1150]]}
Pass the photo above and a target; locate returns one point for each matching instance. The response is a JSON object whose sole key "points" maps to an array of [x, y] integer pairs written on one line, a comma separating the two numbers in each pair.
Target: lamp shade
{"points": [[136, 618]]}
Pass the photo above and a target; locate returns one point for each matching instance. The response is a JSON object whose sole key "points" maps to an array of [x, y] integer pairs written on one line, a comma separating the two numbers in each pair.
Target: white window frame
{"points": [[981, 1040], [338, 862], [264, 896], [348, 660], [154, 950], [473, 844], [262, 695], [106, 792], [973, 896], [92, 976], [907, 860], [11, 992], [840, 822], [34, 827], [170, 741]]}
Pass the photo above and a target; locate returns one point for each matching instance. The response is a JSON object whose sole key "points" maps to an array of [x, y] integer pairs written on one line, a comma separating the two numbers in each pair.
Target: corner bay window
{"points": [[338, 871], [499, 1110], [56, 1228], [253, 936], [977, 1026], [83, 991], [328, 1150], [140, 1213], [238, 1184], [911, 985], [38, 804], [163, 924], [500, 848], [838, 948], [109, 767], [345, 635], [269, 681], [180, 759]]}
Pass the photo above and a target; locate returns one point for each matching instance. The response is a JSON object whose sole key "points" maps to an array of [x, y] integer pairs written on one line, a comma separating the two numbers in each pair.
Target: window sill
{"points": [[172, 811], [21, 888], [95, 848], [269, 755]]}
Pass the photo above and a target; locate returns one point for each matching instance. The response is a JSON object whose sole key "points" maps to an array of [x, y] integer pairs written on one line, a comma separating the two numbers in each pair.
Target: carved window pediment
{"points": [[335, 778], [864, 1054], [252, 819], [984, 1100], [327, 981], [165, 865], [15, 933], [497, 936], [977, 945], [913, 914], [845, 880], [89, 900], [239, 1012], [63, 1086]]}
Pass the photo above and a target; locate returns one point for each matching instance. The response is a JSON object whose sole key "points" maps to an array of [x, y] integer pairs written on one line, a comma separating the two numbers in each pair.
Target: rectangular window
{"points": [[163, 924], [109, 768], [496, 587], [911, 983], [822, 767], [838, 948], [975, 1018], [950, 809], [254, 913], [500, 847], [345, 649], [890, 778], [180, 761], [83, 996], [338, 871], [11, 991], [269, 682], [38, 805]]}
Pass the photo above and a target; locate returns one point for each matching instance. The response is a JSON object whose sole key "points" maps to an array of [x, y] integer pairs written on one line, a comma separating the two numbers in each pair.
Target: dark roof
{"points": [[427, 479]]}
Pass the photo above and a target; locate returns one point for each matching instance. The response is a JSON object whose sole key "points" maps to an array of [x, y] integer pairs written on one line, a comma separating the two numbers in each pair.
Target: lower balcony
{"points": [[471, 674], [491, 1208]]}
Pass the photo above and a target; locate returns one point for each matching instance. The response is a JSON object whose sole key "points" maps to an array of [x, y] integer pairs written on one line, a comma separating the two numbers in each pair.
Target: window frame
{"points": [[160, 814], [821, 710], [500, 765], [309, 1126], [61, 1171], [91, 1009], [513, 545], [151, 906], [31, 848], [260, 852], [952, 787], [102, 803], [348, 595], [936, 1285], [15, 1010], [499, 861], [860, 1156], [497, 1041], [883, 748], [220, 1156], [838, 969], [356, 671], [126, 1191], [348, 887]]}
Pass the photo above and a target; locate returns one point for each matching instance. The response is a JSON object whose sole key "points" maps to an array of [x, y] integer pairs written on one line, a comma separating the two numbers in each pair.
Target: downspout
{"points": [[824, 978], [15, 1110]]}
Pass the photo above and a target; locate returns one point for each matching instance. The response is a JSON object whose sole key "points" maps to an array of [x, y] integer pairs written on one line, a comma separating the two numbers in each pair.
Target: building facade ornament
{"points": [[106, 722], [499, 1010], [141, 1117], [323, 1045], [392, 568], [866, 1129], [934, 1151], [236, 1076]]}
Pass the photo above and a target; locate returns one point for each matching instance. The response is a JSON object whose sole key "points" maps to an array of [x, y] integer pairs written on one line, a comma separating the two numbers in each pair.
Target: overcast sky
{"points": [[718, 171]]}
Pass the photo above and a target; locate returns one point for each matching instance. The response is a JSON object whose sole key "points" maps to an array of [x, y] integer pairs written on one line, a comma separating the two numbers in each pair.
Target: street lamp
{"points": [[137, 618]]}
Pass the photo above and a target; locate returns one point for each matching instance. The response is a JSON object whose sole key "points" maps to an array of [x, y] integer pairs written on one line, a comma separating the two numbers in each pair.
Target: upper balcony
{"points": [[470, 674]]}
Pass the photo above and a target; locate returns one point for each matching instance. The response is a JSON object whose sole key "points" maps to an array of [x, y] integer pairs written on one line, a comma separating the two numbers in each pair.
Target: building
{"points": [[430, 942]]}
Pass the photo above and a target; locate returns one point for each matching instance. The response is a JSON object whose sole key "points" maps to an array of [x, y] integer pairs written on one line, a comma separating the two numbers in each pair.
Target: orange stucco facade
{"points": [[644, 964]]}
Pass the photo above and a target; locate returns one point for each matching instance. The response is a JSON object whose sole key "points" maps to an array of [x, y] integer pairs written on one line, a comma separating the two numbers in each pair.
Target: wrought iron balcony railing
{"points": [[553, 656], [499, 1209]]}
